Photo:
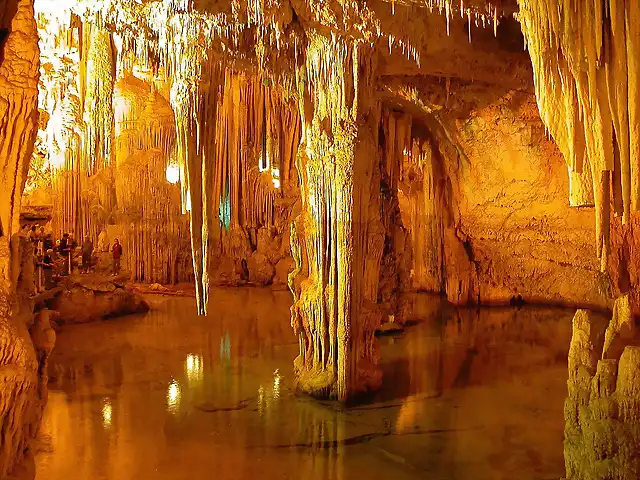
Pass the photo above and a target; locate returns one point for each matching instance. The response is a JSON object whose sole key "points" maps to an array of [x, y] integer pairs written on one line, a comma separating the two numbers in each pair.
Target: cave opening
{"points": [[319, 239]]}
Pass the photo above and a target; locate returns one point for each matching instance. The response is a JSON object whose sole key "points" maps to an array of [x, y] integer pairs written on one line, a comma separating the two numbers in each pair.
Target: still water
{"points": [[168, 395]]}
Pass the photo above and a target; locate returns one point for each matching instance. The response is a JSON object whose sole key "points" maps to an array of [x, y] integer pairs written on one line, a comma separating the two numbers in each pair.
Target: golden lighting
{"points": [[193, 367], [261, 400], [173, 173], [275, 177], [276, 384], [173, 397], [107, 412]]}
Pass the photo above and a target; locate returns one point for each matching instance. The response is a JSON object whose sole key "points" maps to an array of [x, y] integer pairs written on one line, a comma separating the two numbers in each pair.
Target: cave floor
{"points": [[169, 395]]}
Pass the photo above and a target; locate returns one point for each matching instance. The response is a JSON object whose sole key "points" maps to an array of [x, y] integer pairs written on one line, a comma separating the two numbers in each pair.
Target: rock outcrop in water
{"points": [[90, 300], [601, 409]]}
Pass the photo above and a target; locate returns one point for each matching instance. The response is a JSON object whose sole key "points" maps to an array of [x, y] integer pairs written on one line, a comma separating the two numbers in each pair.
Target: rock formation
{"points": [[356, 149], [601, 409], [353, 150], [586, 59], [23, 356], [90, 300]]}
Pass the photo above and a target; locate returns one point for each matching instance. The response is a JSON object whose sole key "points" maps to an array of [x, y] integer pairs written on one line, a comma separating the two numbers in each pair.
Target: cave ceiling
{"points": [[473, 41]]}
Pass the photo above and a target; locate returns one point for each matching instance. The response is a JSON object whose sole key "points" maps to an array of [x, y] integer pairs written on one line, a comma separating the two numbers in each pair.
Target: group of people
{"points": [[46, 255]]}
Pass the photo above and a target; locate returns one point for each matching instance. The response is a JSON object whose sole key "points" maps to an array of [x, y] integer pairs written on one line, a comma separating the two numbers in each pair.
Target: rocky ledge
{"points": [[89, 299]]}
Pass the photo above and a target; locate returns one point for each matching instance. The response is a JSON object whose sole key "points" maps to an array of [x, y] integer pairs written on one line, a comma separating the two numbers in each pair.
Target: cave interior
{"points": [[348, 152]]}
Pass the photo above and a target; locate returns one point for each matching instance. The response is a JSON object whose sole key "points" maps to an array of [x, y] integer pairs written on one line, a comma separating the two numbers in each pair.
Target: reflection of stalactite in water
{"points": [[322, 431]]}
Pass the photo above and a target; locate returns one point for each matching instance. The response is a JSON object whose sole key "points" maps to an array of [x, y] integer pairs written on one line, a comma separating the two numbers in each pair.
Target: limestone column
{"points": [[22, 394], [336, 240], [19, 73]]}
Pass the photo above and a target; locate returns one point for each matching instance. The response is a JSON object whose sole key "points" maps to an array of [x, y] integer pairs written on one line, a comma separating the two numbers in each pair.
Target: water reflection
{"points": [[173, 397], [276, 384], [107, 411], [193, 368], [160, 396]]}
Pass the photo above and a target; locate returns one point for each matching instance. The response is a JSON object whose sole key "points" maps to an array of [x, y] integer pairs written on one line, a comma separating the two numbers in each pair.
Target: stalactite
{"points": [[98, 102], [153, 227], [66, 170], [585, 58], [155, 230], [246, 130]]}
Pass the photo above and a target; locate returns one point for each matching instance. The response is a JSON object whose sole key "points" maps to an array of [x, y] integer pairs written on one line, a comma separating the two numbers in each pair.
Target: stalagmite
{"points": [[262, 128], [601, 408], [155, 230]]}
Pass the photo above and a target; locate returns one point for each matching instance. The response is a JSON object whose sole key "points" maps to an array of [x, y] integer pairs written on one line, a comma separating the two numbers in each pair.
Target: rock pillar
{"points": [[21, 389], [337, 240]]}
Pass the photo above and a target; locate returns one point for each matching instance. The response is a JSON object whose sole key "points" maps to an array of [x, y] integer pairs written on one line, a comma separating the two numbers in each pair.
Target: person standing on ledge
{"points": [[66, 254], [87, 252], [47, 266], [117, 253], [31, 236]]}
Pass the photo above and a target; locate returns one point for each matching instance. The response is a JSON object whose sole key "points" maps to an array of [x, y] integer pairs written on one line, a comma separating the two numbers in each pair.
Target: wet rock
{"points": [[283, 268], [260, 269], [156, 287], [80, 304], [601, 409], [96, 285], [228, 273]]}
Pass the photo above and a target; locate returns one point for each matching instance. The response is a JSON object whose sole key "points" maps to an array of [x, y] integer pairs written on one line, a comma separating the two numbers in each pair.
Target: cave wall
{"points": [[24, 342], [585, 64], [108, 136], [483, 201], [523, 236]]}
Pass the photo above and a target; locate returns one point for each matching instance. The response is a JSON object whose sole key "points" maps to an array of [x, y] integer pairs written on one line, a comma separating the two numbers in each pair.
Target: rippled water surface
{"points": [[168, 395]]}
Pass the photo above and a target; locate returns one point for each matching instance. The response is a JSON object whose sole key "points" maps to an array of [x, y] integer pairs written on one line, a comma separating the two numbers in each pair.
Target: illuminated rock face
{"points": [[586, 62], [109, 136], [482, 216], [601, 409], [22, 356], [352, 150], [337, 240]]}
